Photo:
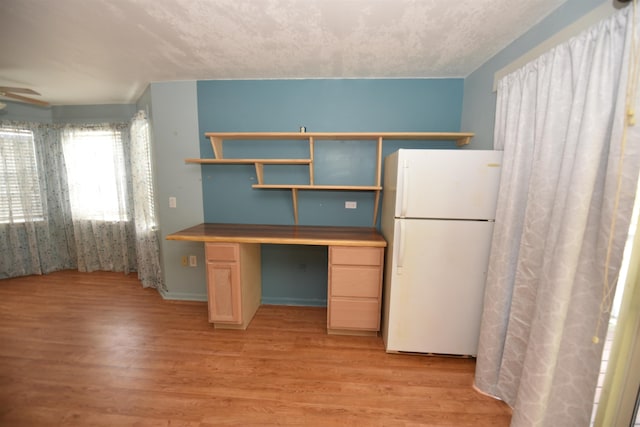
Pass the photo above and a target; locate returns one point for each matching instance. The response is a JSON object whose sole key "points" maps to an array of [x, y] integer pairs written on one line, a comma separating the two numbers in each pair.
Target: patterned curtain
{"points": [[36, 233], [78, 197], [566, 199], [147, 244]]}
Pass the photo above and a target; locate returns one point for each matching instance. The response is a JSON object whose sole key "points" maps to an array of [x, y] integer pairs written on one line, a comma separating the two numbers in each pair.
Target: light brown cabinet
{"points": [[233, 283], [224, 292], [355, 288]]}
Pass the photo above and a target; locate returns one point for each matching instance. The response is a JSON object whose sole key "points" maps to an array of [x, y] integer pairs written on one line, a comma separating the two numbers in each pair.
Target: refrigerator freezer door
{"points": [[459, 184], [435, 292]]}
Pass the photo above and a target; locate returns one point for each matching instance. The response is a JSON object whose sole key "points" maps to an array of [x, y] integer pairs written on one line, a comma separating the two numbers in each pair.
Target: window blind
{"points": [[20, 196]]}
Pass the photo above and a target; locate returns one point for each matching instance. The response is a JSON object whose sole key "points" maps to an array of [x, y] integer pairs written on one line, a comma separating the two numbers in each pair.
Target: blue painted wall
{"points": [[172, 108], [479, 110], [295, 274], [83, 114]]}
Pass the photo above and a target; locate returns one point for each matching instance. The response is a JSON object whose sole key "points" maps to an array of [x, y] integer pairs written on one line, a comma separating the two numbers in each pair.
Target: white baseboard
{"points": [[181, 296], [295, 301]]}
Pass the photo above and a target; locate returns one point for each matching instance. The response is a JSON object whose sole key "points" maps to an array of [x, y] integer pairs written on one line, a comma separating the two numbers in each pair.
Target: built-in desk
{"points": [[234, 286]]}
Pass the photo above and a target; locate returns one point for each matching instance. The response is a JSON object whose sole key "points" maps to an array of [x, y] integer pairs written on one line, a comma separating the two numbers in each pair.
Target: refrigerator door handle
{"points": [[405, 188], [401, 245]]}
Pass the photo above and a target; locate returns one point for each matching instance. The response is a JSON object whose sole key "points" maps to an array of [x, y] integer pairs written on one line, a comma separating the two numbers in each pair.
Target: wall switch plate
{"points": [[172, 202], [184, 261], [350, 205], [193, 261]]}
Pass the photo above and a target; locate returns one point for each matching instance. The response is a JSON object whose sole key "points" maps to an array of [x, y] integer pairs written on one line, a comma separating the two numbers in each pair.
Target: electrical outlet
{"points": [[184, 261], [172, 202], [350, 205], [193, 261]]}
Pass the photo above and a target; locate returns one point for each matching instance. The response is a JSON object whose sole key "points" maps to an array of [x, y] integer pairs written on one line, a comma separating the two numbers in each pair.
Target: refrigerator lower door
{"points": [[435, 286]]}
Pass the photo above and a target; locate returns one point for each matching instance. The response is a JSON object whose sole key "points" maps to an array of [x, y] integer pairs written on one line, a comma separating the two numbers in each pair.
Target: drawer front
{"points": [[222, 251], [353, 313], [355, 281], [350, 255]]}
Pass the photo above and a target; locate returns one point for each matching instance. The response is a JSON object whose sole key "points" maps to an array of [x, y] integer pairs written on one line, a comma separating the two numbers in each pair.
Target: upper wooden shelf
{"points": [[461, 138]]}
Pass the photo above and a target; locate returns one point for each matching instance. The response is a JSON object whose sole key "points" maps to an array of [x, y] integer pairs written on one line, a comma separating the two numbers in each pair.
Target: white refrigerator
{"points": [[438, 212]]}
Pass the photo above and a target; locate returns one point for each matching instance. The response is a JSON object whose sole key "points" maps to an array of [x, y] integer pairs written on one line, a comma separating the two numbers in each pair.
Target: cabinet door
{"points": [[224, 292]]}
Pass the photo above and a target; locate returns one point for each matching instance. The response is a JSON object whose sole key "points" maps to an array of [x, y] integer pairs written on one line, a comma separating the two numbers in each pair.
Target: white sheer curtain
{"points": [[561, 121], [99, 180], [147, 244]]}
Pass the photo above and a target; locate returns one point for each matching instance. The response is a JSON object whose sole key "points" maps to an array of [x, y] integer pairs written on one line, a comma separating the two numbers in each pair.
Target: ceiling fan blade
{"points": [[18, 90], [24, 99]]}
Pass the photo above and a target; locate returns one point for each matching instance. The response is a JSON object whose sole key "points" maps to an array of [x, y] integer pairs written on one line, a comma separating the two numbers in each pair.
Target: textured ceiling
{"points": [[107, 51]]}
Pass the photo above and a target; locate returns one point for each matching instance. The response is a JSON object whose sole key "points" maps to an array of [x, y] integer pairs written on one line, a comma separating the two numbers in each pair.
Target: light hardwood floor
{"points": [[95, 349]]}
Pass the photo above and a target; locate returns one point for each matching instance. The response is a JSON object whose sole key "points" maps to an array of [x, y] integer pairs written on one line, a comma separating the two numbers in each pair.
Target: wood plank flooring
{"points": [[96, 349]]}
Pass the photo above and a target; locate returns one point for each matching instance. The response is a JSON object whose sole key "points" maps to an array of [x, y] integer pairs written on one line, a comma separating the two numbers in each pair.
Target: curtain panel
{"points": [[568, 176], [99, 178], [144, 207], [42, 240]]}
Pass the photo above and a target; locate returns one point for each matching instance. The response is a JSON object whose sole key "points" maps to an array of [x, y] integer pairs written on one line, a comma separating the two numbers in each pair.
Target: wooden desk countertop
{"points": [[281, 234]]}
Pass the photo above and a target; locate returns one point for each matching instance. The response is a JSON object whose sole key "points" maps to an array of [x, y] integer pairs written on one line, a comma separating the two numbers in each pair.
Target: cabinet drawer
{"points": [[222, 251], [355, 281], [353, 313], [351, 255]]}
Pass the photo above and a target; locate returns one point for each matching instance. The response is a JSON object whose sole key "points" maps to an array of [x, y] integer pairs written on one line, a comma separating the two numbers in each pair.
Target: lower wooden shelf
{"points": [[319, 187], [249, 161], [295, 187]]}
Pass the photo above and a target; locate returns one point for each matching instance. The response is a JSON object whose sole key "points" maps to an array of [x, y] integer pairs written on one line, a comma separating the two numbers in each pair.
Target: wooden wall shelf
{"points": [[251, 161], [217, 142], [319, 187]]}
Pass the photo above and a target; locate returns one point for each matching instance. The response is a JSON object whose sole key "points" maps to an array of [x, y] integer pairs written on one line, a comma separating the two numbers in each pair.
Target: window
{"points": [[20, 196], [96, 174]]}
